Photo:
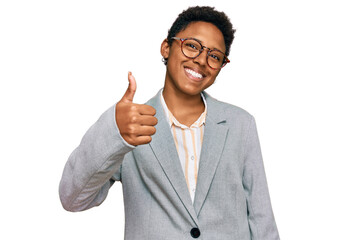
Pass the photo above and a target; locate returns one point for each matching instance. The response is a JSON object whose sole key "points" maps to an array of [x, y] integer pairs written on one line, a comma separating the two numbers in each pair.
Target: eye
{"points": [[190, 45], [215, 57]]}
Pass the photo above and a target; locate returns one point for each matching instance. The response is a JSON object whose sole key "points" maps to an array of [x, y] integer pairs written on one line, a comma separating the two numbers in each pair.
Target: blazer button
{"points": [[195, 232]]}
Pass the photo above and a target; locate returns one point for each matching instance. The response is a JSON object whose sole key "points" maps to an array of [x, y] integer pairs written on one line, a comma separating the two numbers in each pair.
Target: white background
{"points": [[295, 65]]}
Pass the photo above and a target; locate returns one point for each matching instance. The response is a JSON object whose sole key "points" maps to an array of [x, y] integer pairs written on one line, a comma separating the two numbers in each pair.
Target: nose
{"points": [[202, 58]]}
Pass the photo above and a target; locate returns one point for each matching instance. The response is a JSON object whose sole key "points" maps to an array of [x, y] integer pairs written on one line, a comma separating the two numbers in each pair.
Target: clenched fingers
{"points": [[146, 120], [146, 109], [146, 131]]}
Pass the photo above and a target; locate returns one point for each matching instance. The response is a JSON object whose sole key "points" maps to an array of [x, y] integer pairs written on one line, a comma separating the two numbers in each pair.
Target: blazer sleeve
{"points": [[87, 175], [260, 215]]}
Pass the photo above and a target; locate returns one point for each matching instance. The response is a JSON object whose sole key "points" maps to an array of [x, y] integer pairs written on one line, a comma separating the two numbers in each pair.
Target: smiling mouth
{"points": [[193, 74]]}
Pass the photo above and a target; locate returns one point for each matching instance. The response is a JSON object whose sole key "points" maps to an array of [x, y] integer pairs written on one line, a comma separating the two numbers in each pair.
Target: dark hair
{"points": [[205, 14]]}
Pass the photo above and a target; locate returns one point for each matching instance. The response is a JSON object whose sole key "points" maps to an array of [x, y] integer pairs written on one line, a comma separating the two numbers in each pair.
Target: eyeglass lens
{"points": [[192, 48]]}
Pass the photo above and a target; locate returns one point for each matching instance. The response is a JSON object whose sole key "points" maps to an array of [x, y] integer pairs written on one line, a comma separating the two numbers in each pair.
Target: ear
{"points": [[165, 49]]}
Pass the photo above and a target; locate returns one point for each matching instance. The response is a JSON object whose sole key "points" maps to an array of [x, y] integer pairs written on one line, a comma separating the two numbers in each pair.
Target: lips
{"points": [[194, 74]]}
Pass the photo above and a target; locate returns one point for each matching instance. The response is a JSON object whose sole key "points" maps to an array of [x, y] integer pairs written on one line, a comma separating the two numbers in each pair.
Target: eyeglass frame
{"points": [[226, 59]]}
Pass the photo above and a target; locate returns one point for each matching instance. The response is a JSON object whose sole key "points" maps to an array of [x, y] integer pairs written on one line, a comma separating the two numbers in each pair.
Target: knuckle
{"points": [[131, 130], [133, 108], [129, 140], [134, 130], [133, 140], [133, 119]]}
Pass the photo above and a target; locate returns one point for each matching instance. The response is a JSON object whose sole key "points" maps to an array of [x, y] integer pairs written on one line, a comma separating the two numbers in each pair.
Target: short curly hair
{"points": [[205, 14]]}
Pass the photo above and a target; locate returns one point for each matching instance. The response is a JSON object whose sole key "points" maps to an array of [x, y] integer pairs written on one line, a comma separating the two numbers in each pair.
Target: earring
{"points": [[164, 60]]}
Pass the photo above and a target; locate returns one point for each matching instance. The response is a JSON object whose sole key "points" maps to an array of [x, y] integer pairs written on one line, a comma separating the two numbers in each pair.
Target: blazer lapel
{"points": [[214, 140], [163, 146]]}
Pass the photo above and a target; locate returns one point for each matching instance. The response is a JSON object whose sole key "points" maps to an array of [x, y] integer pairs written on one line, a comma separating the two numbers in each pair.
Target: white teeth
{"points": [[193, 73]]}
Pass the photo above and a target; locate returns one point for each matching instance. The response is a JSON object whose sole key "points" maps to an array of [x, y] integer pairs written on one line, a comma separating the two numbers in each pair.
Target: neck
{"points": [[177, 100], [186, 108]]}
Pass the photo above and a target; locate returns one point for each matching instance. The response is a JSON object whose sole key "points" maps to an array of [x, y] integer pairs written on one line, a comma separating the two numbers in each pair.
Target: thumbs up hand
{"points": [[135, 121]]}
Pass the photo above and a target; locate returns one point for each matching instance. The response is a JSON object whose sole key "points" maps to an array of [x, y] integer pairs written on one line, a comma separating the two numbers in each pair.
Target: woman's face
{"points": [[191, 76]]}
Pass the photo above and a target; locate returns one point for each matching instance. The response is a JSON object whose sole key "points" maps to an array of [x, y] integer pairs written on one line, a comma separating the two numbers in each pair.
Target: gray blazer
{"points": [[231, 201]]}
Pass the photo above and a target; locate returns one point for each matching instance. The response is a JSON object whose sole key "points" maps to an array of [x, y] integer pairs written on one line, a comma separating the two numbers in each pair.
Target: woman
{"points": [[190, 165]]}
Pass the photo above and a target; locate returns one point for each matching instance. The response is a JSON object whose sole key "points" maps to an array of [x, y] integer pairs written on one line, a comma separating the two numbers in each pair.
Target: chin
{"points": [[193, 88], [192, 91]]}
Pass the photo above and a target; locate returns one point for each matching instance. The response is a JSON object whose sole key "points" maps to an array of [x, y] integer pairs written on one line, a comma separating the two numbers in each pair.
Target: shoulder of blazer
{"points": [[219, 110]]}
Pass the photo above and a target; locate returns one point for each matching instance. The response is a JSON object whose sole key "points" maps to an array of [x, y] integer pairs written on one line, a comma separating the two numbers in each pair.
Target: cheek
{"points": [[175, 64], [213, 79], [172, 59], [215, 74], [211, 82], [173, 54]]}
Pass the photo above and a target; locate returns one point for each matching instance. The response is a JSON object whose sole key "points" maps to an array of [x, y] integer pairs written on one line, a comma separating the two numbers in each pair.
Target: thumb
{"points": [[131, 90]]}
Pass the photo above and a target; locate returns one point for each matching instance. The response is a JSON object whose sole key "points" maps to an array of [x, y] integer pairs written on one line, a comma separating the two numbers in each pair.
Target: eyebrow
{"points": [[204, 45]]}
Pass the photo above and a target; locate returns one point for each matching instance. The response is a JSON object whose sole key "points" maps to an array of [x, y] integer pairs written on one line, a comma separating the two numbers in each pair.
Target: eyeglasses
{"points": [[192, 48]]}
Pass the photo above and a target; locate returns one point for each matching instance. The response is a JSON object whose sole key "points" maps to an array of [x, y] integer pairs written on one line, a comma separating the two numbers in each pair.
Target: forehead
{"points": [[207, 33]]}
